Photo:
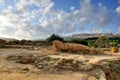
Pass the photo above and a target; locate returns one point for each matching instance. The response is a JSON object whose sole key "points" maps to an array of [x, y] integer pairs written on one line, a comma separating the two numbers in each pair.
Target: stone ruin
{"points": [[73, 47], [51, 64], [48, 63]]}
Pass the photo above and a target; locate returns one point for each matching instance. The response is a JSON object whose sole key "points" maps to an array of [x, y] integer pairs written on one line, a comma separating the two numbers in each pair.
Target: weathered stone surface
{"points": [[27, 60], [22, 58], [14, 57], [49, 63], [25, 69]]}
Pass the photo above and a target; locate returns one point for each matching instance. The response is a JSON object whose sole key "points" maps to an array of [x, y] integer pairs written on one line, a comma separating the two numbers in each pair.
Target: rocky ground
{"points": [[44, 64]]}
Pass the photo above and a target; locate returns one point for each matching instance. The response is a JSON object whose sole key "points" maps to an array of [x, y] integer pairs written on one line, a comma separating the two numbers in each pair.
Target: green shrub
{"points": [[102, 42], [91, 43]]}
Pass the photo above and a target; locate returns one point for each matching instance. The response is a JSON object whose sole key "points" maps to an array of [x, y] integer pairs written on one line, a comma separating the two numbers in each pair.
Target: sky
{"points": [[38, 19]]}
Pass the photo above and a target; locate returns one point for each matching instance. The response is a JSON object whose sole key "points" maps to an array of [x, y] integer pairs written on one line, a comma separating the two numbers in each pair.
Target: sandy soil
{"points": [[10, 70]]}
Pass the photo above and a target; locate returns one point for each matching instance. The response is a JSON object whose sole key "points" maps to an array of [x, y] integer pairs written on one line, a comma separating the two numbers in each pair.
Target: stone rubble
{"points": [[52, 64], [25, 59], [103, 70], [48, 63]]}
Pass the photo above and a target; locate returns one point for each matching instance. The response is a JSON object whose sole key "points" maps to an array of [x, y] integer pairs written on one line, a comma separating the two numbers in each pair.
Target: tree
{"points": [[16, 41], [102, 42], [54, 37], [114, 41]]}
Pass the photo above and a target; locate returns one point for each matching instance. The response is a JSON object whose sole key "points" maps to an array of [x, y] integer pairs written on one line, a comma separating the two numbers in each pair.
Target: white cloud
{"points": [[72, 8], [48, 8], [118, 9], [42, 22], [96, 30], [22, 6], [1, 2]]}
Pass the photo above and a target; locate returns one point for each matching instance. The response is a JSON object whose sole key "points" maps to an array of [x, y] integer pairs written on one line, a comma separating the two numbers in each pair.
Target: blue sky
{"points": [[35, 19]]}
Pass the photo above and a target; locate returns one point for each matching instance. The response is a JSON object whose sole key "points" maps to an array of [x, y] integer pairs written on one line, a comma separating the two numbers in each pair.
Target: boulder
{"points": [[114, 50]]}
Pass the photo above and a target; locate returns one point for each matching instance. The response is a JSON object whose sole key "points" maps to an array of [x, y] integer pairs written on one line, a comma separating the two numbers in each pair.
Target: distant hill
{"points": [[8, 39], [87, 35], [67, 38]]}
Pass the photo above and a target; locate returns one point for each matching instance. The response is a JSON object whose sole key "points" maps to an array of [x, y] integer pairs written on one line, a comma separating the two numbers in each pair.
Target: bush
{"points": [[54, 37], [102, 42], [91, 43], [79, 41]]}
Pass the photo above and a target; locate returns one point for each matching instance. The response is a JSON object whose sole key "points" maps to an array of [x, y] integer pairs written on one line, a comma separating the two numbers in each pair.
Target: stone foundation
{"points": [[49, 63]]}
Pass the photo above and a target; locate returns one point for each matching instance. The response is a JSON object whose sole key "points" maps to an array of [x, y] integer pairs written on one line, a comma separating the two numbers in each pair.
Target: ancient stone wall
{"points": [[72, 47]]}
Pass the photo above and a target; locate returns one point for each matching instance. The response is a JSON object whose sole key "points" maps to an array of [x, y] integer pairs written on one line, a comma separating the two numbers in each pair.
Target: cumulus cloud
{"points": [[23, 22]]}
